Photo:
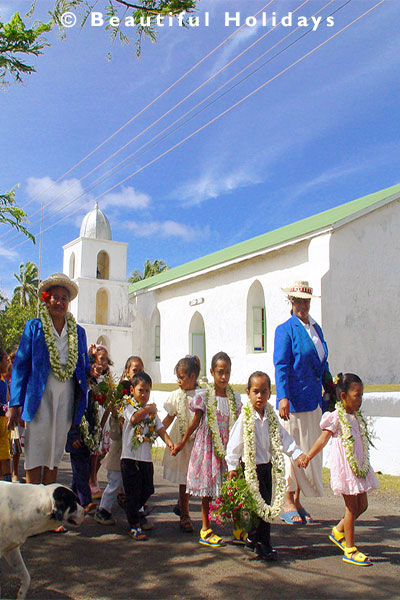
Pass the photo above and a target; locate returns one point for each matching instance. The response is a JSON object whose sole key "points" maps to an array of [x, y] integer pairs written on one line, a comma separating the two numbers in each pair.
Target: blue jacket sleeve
{"points": [[283, 361], [22, 367]]}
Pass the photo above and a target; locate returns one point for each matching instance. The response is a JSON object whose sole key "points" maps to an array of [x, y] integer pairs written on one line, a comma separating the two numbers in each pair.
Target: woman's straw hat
{"points": [[299, 289], [62, 280]]}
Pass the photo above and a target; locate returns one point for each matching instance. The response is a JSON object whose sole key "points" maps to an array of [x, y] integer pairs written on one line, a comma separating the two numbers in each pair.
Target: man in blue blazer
{"points": [[50, 402], [301, 370]]}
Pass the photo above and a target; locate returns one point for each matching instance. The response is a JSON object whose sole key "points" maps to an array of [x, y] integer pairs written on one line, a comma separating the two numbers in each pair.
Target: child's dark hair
{"points": [[344, 383], [220, 356], [258, 374], [189, 364], [130, 360], [141, 376], [93, 350]]}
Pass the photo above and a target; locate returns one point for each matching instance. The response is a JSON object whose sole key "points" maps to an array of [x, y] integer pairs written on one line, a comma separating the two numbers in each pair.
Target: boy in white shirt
{"points": [[256, 418], [141, 428]]}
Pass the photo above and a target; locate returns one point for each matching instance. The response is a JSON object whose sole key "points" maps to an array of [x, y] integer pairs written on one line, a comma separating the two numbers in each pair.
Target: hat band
{"points": [[301, 289]]}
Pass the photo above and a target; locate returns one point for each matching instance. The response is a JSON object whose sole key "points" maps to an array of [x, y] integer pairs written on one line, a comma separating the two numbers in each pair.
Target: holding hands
{"points": [[303, 460]]}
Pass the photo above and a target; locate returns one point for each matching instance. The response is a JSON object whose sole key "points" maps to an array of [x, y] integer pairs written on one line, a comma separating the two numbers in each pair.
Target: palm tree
{"points": [[150, 269], [26, 292]]}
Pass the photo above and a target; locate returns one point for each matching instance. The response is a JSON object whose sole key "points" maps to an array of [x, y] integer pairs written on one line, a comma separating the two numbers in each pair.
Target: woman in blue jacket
{"points": [[49, 379], [301, 370]]}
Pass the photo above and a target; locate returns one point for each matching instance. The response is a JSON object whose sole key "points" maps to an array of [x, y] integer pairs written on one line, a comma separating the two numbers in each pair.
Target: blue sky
{"points": [[321, 134]]}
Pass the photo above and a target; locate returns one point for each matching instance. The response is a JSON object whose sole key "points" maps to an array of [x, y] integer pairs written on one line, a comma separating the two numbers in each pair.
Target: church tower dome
{"points": [[96, 225]]}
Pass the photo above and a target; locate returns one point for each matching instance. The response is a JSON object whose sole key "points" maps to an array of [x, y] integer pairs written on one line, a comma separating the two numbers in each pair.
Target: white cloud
{"points": [[213, 184], [8, 254], [128, 197], [167, 229], [60, 196]]}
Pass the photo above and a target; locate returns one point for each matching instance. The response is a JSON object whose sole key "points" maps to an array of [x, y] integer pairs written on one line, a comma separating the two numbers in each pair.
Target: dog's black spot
{"points": [[64, 499]]}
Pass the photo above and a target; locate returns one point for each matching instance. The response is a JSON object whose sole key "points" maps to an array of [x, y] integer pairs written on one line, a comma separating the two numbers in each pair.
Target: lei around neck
{"points": [[211, 404], [182, 412], [145, 430], [266, 512], [91, 440], [348, 441], [61, 373]]}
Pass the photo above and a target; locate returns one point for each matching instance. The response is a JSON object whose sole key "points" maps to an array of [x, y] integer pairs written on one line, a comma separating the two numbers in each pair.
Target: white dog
{"points": [[26, 510]]}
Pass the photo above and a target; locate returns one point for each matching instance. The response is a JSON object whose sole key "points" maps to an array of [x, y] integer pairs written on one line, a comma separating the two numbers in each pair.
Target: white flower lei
{"points": [[181, 414], [91, 441], [348, 441], [139, 430], [211, 404], [61, 373], [265, 511]]}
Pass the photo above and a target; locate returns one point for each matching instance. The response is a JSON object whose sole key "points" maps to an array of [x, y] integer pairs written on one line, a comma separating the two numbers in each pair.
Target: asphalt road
{"points": [[96, 562]]}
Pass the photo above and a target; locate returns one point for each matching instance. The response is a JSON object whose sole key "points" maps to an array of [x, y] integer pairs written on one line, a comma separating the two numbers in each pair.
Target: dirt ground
{"points": [[99, 562]]}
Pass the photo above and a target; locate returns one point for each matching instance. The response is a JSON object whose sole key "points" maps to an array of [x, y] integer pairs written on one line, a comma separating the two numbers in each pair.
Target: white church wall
{"points": [[118, 341], [220, 297], [360, 295]]}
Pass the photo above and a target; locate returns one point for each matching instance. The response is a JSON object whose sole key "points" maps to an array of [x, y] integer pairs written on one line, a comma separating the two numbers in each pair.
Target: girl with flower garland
{"points": [[175, 468], [260, 439], [140, 430], [98, 355], [351, 473], [49, 379], [112, 461], [215, 411]]}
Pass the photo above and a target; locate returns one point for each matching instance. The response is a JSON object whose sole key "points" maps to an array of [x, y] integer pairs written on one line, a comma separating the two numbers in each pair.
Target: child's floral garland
{"points": [[139, 435], [348, 441], [181, 415], [91, 441], [62, 374], [211, 403], [265, 511]]}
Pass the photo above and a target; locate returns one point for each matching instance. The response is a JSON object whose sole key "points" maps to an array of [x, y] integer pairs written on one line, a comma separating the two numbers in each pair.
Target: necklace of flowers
{"points": [[91, 441], [139, 436], [348, 441], [181, 414], [61, 373], [267, 512], [211, 403]]}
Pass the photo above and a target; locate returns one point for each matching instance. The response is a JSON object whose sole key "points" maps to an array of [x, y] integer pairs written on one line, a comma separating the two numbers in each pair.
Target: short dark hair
{"points": [[258, 374], [141, 376], [130, 360], [220, 356], [344, 383]]}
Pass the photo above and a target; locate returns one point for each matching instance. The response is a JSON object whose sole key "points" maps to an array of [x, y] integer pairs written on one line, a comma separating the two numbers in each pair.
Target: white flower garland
{"points": [[265, 511], [348, 441], [181, 414], [61, 373], [211, 404], [91, 441], [140, 434]]}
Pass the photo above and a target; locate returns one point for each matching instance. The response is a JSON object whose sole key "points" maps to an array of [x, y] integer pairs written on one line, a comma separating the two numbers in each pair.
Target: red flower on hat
{"points": [[45, 297]]}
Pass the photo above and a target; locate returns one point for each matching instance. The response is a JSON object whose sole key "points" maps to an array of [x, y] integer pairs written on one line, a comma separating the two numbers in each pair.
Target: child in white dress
{"points": [[177, 406], [351, 474], [215, 411]]}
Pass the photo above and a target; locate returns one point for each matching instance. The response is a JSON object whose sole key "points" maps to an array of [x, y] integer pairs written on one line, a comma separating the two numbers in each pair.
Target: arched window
{"points": [[155, 328], [72, 265], [197, 340], [102, 307], [256, 319], [103, 265]]}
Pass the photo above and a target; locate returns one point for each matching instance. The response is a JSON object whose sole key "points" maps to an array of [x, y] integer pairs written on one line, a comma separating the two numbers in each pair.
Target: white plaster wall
{"points": [[120, 343], [87, 249], [84, 306], [360, 296], [224, 308]]}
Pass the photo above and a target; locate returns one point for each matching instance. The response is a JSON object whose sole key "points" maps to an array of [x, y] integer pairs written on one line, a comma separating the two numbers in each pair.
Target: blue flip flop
{"points": [[306, 517], [288, 517]]}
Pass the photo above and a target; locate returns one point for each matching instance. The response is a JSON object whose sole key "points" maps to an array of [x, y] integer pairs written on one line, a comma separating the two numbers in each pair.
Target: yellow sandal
{"points": [[208, 538], [354, 557], [239, 536], [338, 538]]}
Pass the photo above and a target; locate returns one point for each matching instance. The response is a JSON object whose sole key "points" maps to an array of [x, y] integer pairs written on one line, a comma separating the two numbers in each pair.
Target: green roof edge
{"points": [[271, 238]]}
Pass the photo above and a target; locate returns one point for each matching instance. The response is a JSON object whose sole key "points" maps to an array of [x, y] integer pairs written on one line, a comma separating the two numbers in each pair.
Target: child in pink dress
{"points": [[215, 411], [351, 474]]}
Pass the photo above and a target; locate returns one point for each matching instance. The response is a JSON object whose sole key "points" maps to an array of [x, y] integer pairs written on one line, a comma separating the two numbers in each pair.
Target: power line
{"points": [[223, 113]]}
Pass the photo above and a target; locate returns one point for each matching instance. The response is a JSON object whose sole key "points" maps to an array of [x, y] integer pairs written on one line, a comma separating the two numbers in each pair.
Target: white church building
{"points": [[231, 300]]}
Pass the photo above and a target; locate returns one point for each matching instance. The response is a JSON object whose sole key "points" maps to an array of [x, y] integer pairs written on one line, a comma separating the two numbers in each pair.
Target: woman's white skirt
{"points": [[46, 434]]}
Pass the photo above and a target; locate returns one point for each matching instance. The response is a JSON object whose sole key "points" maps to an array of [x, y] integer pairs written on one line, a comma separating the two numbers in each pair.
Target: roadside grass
{"points": [[240, 388], [388, 484]]}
